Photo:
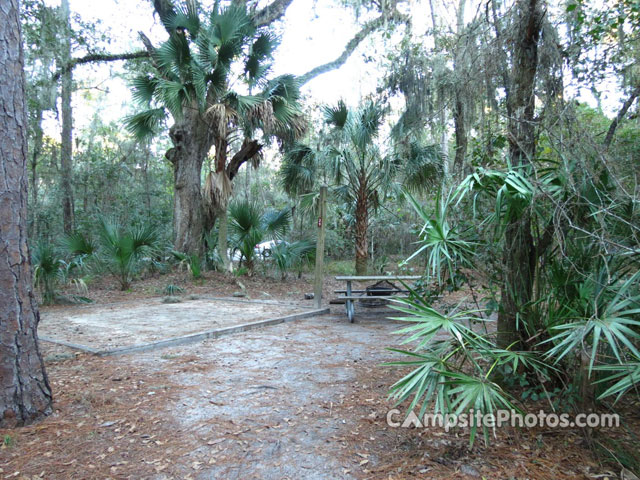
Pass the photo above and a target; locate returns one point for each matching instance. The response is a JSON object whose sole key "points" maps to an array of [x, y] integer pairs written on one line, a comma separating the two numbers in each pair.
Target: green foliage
{"points": [[172, 290], [289, 256], [452, 364], [446, 248], [192, 262], [48, 270], [122, 249], [249, 226]]}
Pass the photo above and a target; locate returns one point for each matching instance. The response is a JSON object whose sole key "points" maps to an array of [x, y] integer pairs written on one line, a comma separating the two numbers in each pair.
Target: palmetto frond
{"points": [[184, 19], [366, 125], [288, 123], [78, 244], [229, 29], [336, 116], [173, 95], [298, 170], [121, 249], [422, 165], [276, 222], [145, 124], [173, 58], [257, 64], [144, 87]]}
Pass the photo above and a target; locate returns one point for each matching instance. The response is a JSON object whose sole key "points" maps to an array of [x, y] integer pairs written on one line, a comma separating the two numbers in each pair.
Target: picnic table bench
{"points": [[349, 295]]}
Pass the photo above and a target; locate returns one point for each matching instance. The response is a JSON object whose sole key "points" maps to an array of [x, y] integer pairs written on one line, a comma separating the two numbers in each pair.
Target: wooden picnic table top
{"points": [[365, 278]]}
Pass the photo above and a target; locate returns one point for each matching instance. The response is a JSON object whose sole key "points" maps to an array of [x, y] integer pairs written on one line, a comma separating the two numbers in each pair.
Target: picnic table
{"points": [[350, 295]]}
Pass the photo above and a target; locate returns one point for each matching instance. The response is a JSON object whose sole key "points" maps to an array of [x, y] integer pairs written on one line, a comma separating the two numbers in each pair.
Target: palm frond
{"points": [[185, 18], [145, 124], [422, 166], [174, 96], [276, 222], [336, 116], [144, 87], [78, 244], [298, 170]]}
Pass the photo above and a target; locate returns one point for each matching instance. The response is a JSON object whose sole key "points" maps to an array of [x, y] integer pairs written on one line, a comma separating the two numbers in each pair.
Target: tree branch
{"points": [[616, 121], [163, 8], [272, 12], [249, 150], [96, 58], [365, 31]]}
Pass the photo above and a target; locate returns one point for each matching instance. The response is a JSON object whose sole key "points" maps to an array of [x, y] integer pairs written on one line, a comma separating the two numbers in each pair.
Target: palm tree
{"points": [[362, 175], [195, 80]]}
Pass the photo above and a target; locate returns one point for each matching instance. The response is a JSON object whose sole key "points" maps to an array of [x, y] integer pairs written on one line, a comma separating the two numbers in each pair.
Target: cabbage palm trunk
{"points": [[361, 226]]}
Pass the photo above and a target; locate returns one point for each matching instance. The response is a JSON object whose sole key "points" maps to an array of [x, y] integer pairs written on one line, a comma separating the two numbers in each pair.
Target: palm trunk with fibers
{"points": [[362, 223], [25, 394], [217, 191], [218, 188], [66, 160], [519, 249]]}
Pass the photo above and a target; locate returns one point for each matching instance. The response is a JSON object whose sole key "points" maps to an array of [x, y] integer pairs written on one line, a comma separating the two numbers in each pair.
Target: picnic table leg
{"points": [[349, 302]]}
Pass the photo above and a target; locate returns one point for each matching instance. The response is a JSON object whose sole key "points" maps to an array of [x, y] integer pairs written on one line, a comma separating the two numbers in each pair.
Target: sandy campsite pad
{"points": [[116, 326]]}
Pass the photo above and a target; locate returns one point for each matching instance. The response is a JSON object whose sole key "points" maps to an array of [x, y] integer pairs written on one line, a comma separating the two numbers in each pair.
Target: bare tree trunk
{"points": [[222, 241], [459, 113], [191, 142], [25, 394], [519, 250], [35, 157], [461, 133], [620, 116], [66, 163], [444, 137], [362, 223]]}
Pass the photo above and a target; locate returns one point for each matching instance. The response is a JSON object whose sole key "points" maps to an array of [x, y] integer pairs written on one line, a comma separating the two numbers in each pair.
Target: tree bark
{"points": [[66, 163], [191, 143], [459, 113], [38, 135], [362, 224], [25, 394], [519, 249], [461, 133], [97, 58], [620, 116]]}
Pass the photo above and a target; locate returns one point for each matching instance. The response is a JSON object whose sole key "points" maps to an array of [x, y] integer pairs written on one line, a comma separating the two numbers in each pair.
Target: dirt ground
{"points": [[302, 400], [134, 323]]}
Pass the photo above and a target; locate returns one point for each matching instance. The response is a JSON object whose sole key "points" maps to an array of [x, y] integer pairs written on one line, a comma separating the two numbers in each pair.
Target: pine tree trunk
{"points": [[25, 394], [362, 223], [66, 160], [519, 250]]}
